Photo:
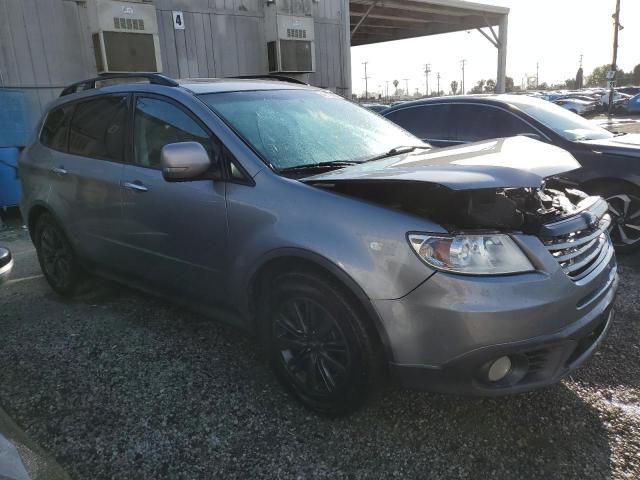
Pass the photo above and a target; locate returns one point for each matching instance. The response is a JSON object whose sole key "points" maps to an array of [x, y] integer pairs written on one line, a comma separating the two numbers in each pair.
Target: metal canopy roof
{"points": [[374, 21]]}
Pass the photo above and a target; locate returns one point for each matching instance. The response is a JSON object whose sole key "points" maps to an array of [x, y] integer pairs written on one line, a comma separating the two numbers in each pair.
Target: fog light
{"points": [[499, 369]]}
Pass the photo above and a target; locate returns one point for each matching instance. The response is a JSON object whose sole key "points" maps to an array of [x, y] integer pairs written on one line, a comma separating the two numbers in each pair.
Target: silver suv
{"points": [[347, 245]]}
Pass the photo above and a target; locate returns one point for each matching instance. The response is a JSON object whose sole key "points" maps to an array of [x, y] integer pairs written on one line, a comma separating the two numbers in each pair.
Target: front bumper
{"points": [[444, 334]]}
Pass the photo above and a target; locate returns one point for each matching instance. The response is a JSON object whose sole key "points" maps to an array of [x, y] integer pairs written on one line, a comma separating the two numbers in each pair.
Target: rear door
{"points": [[85, 176], [175, 233]]}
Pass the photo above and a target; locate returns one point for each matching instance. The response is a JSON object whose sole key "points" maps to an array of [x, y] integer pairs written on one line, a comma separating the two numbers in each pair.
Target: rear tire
{"points": [[624, 208], [57, 259], [319, 343]]}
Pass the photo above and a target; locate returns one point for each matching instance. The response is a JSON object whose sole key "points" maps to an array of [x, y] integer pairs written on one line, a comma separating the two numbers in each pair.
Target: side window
{"points": [[431, 122], [56, 128], [158, 123], [478, 122], [98, 127]]}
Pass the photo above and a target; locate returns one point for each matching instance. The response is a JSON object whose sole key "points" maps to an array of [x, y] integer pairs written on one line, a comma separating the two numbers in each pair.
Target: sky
{"points": [[552, 33]]}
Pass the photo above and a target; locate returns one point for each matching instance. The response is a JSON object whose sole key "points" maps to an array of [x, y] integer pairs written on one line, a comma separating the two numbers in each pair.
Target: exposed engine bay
{"points": [[504, 209]]}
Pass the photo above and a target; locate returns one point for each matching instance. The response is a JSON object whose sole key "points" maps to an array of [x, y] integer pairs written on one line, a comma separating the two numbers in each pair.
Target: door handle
{"points": [[59, 171], [136, 186]]}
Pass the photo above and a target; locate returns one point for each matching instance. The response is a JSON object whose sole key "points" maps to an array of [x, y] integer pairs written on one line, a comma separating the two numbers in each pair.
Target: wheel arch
{"points": [[35, 212], [592, 184], [288, 259]]}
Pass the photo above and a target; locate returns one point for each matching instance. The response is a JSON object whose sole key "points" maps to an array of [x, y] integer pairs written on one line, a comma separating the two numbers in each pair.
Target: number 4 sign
{"points": [[178, 20]]}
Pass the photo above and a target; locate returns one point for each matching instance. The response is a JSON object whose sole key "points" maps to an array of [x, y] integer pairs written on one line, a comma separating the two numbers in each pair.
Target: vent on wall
{"points": [[125, 36], [296, 33], [128, 23]]}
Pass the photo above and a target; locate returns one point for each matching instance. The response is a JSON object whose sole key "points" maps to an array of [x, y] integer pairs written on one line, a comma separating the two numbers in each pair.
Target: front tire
{"points": [[57, 259], [319, 343], [624, 208]]}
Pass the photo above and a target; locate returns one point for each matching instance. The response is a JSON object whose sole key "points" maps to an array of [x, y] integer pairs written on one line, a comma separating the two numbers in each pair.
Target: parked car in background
{"points": [[618, 97], [610, 161], [375, 107], [581, 107], [580, 96], [6, 264], [345, 243], [633, 105], [629, 90]]}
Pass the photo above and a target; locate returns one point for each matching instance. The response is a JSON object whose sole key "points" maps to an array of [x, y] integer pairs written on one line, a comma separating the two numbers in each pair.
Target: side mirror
{"points": [[183, 161], [6, 264]]}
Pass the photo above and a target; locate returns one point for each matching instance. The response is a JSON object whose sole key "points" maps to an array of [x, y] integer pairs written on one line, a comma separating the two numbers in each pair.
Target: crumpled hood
{"points": [[628, 145], [517, 162]]}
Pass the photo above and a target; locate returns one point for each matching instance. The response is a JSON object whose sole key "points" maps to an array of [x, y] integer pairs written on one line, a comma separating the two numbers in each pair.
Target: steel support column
{"points": [[501, 78]]}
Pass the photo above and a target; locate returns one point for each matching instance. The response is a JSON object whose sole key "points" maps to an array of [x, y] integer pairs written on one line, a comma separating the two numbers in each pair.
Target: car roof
{"points": [[193, 86], [200, 86], [487, 99]]}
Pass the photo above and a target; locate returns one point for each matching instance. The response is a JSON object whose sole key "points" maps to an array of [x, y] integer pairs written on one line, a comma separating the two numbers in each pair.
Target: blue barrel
{"points": [[10, 191]]}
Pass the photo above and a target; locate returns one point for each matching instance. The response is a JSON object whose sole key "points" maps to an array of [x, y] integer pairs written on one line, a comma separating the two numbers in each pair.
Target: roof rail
{"points": [[89, 84], [279, 78]]}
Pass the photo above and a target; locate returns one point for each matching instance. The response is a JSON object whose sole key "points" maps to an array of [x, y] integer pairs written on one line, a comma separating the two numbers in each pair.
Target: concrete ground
{"points": [[123, 385]]}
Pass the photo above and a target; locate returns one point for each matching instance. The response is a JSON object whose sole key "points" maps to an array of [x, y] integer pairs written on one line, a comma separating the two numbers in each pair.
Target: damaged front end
{"points": [[572, 226], [503, 209]]}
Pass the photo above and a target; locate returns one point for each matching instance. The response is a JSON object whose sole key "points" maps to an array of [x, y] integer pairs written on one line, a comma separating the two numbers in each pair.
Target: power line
{"points": [[366, 80], [614, 67], [427, 71]]}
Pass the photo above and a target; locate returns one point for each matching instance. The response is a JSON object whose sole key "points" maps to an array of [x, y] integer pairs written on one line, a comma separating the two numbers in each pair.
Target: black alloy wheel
{"points": [[313, 350], [320, 343], [56, 257]]}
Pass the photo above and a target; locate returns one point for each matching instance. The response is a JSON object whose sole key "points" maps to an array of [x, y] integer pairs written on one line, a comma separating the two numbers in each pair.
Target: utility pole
{"points": [[463, 62], [366, 81], [438, 83], [614, 67], [581, 60], [387, 91], [427, 71], [537, 74], [406, 83]]}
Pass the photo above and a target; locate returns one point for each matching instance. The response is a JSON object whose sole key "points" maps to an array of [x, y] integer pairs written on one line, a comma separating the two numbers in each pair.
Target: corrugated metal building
{"points": [[48, 44]]}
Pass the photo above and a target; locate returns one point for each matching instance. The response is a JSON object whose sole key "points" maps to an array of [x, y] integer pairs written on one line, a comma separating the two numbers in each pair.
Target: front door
{"points": [[174, 233]]}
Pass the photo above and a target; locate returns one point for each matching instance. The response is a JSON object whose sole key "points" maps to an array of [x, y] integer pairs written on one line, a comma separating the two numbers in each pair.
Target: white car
{"points": [[581, 107], [616, 96]]}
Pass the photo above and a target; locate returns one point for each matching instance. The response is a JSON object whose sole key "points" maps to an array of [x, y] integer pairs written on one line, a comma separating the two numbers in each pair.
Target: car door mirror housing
{"points": [[184, 161]]}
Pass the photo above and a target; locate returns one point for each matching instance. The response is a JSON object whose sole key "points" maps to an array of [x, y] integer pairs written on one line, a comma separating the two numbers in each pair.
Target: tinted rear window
{"points": [[428, 122], [97, 128], [56, 127], [481, 122]]}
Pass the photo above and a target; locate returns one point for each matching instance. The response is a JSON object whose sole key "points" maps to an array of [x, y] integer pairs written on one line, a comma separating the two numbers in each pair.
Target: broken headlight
{"points": [[490, 254]]}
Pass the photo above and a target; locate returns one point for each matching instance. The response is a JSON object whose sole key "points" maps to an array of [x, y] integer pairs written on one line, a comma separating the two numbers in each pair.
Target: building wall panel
{"points": [[46, 44]]}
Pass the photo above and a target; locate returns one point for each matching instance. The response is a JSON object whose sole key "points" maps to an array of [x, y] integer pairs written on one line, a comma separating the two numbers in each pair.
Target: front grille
{"points": [[580, 252]]}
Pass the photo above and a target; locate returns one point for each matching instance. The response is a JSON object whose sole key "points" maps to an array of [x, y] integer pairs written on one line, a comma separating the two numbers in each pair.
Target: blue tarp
{"points": [[15, 118], [10, 191]]}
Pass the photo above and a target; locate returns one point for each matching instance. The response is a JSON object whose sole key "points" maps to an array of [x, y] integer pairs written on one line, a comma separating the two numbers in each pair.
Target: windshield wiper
{"points": [[318, 166], [398, 151]]}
